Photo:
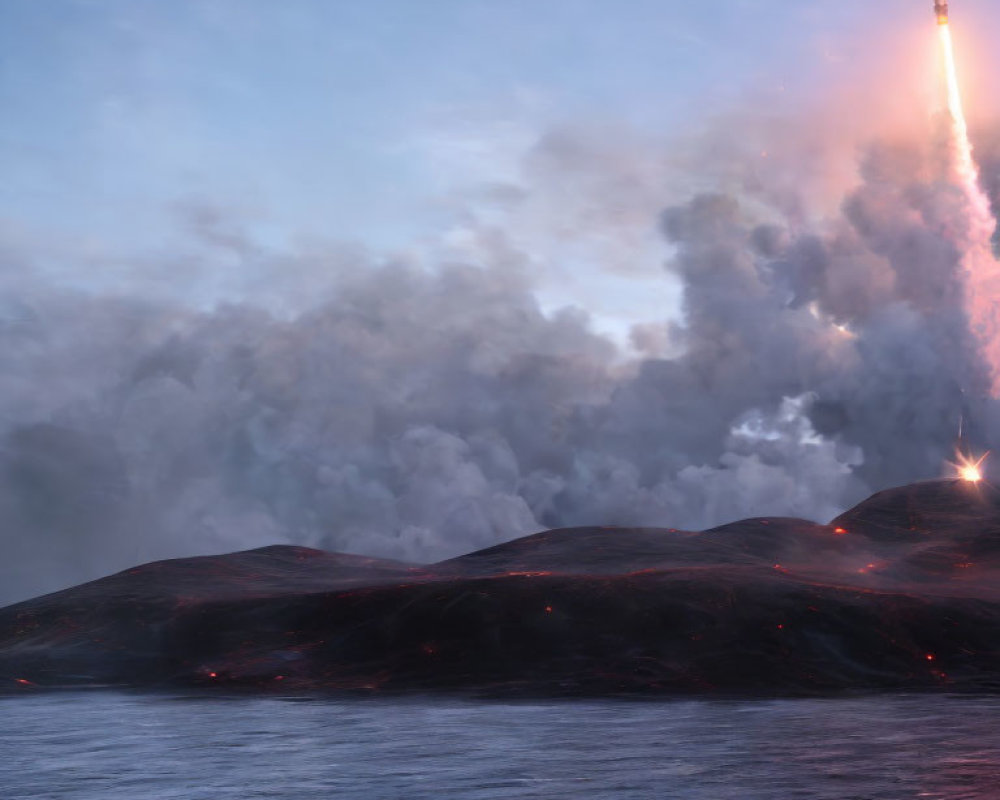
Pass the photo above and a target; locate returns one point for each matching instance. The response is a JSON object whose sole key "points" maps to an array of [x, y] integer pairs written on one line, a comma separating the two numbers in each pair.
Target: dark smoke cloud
{"points": [[420, 412]]}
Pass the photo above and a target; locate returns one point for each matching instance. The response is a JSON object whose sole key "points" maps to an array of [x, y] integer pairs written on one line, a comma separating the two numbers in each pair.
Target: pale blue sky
{"points": [[351, 120]]}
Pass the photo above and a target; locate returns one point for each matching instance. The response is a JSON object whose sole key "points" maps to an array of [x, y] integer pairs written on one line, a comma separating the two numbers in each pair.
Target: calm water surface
{"points": [[111, 746]]}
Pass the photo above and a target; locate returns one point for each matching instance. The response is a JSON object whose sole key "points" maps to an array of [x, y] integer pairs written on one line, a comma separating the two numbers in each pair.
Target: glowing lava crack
{"points": [[901, 592]]}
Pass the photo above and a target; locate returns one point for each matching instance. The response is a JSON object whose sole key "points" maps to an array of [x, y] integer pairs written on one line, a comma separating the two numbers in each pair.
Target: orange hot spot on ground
{"points": [[23, 681], [968, 468], [971, 474], [930, 656], [839, 531], [548, 609], [212, 675]]}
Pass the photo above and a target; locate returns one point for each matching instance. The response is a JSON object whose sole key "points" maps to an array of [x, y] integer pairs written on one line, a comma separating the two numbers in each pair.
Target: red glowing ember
{"points": [[839, 531]]}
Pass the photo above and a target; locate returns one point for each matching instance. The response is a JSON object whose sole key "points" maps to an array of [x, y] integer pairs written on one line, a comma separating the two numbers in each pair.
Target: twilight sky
{"points": [[385, 126]]}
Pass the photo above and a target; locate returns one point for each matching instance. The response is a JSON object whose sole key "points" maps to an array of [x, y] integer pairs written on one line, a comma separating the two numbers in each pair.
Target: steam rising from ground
{"points": [[418, 410]]}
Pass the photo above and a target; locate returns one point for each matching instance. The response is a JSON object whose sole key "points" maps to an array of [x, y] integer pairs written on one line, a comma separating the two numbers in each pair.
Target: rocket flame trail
{"points": [[980, 268], [965, 165]]}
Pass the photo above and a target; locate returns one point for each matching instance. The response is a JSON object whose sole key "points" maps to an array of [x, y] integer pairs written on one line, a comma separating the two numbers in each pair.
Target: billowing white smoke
{"points": [[421, 413]]}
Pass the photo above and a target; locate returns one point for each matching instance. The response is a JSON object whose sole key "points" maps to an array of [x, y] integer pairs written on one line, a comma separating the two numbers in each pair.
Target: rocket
{"points": [[941, 11]]}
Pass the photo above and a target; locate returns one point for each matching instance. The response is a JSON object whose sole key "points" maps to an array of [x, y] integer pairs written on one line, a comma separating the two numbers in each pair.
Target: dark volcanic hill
{"points": [[900, 592]]}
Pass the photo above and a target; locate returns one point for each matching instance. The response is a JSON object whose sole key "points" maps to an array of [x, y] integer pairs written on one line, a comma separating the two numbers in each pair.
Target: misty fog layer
{"points": [[419, 411]]}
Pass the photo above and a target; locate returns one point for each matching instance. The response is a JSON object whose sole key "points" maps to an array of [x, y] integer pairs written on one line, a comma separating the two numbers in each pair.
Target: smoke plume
{"points": [[418, 411]]}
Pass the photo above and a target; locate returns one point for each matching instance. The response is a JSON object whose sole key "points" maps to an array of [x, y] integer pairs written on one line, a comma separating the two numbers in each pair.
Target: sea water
{"points": [[127, 746]]}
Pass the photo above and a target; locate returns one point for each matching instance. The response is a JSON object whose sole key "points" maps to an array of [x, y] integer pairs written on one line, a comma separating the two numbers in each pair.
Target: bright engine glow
{"points": [[969, 469]]}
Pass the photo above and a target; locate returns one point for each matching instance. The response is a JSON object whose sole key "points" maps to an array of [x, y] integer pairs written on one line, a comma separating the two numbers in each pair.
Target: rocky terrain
{"points": [[900, 592]]}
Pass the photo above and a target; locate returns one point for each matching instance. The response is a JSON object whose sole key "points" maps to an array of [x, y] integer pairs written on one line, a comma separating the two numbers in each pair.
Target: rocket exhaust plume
{"points": [[981, 273]]}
